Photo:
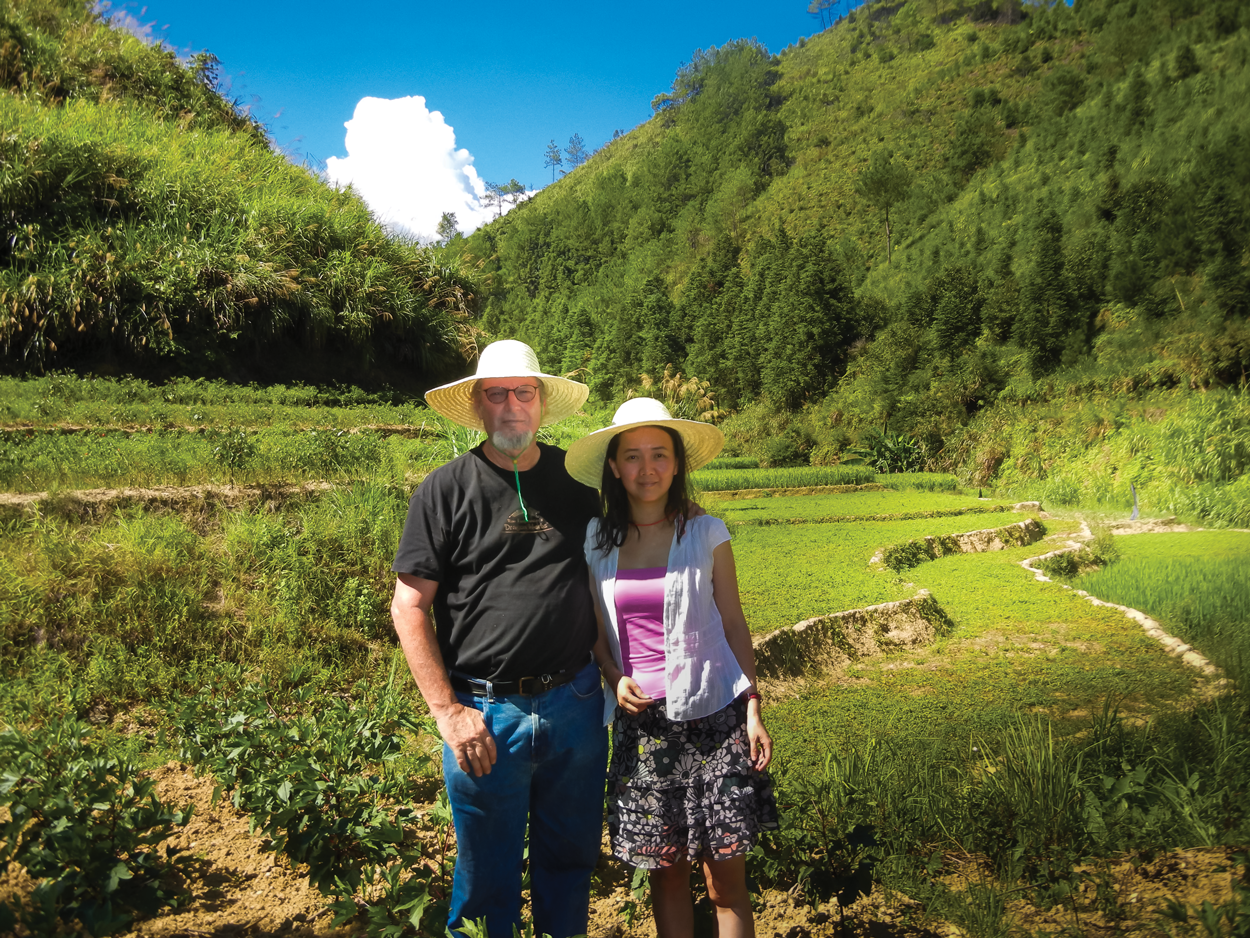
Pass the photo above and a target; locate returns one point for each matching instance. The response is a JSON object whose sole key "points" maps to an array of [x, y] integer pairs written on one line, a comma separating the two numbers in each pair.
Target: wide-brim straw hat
{"points": [[506, 358], [584, 460]]}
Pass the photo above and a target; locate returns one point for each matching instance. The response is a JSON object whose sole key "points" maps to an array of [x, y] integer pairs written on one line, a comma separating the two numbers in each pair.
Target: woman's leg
{"points": [[727, 888], [671, 902]]}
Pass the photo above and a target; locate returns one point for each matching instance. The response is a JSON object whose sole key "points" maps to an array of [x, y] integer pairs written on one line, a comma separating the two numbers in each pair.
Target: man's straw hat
{"points": [[507, 358], [584, 460]]}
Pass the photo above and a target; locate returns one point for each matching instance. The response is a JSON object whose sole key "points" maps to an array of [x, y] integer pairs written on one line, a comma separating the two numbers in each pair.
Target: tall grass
{"points": [[205, 249], [1037, 813], [1185, 453]]}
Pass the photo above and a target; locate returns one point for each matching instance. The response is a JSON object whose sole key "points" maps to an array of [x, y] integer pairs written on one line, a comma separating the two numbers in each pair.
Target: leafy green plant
{"points": [[233, 449], [1062, 566], [321, 788], [890, 452], [827, 846], [86, 827]]}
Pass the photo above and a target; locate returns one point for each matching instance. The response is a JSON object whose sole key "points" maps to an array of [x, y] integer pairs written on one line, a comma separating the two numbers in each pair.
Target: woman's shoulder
{"points": [[595, 556], [708, 529]]}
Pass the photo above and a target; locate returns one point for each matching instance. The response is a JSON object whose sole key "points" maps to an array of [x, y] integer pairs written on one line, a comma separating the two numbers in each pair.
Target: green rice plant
{"points": [[86, 828], [787, 573], [1206, 601], [879, 505], [920, 481], [35, 461], [717, 480], [139, 607], [66, 400]]}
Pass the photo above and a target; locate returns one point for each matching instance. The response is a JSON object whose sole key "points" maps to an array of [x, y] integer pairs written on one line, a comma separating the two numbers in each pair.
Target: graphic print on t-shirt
{"points": [[516, 523]]}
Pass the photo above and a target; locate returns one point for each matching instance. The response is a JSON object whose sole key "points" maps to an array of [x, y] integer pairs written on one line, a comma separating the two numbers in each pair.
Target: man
{"points": [[493, 545]]}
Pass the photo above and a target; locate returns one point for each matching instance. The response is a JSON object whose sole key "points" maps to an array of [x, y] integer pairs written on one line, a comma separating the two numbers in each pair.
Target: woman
{"points": [[686, 777]]}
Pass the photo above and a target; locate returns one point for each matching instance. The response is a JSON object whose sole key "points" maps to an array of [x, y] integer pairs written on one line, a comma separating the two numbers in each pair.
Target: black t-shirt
{"points": [[513, 595]]}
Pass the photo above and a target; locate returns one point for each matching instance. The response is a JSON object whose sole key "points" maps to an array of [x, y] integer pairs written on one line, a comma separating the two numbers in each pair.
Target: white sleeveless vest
{"points": [[701, 674]]}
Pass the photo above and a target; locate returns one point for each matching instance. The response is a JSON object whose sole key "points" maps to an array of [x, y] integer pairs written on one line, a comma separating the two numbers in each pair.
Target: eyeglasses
{"points": [[525, 393]]}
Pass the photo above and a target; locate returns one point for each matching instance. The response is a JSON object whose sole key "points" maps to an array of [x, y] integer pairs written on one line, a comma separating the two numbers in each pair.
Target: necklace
{"points": [[650, 523]]}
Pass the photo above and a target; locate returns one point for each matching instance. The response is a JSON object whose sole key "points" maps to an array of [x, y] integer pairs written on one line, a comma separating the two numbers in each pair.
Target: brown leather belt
{"points": [[525, 686]]}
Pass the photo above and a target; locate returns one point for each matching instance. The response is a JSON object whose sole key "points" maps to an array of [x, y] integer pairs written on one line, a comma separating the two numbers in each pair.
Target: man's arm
{"points": [[461, 727]]}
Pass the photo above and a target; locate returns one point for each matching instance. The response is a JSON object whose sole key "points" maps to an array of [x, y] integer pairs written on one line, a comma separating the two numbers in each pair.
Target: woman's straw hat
{"points": [[584, 460], [507, 358]]}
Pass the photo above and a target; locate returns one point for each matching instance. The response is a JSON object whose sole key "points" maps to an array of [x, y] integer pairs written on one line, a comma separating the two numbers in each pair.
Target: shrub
{"points": [[900, 557], [323, 790], [83, 825], [892, 452]]}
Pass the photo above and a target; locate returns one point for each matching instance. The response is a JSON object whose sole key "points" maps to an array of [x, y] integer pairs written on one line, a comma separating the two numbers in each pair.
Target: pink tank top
{"points": [[640, 624]]}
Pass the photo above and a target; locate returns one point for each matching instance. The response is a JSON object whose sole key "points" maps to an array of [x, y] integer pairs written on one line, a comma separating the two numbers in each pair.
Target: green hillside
{"points": [[151, 228], [924, 215]]}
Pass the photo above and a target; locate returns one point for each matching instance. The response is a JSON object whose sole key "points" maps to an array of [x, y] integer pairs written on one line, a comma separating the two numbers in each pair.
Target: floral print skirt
{"points": [[685, 788]]}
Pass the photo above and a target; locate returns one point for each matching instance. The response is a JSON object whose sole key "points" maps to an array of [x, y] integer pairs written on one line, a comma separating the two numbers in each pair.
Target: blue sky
{"points": [[507, 77]]}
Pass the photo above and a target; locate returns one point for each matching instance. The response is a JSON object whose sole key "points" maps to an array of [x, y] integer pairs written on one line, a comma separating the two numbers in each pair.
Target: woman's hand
{"points": [[630, 696], [761, 742]]}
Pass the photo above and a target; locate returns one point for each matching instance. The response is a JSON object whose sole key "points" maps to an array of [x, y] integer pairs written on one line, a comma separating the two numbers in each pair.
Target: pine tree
{"points": [[957, 305], [1045, 297], [884, 184], [553, 158]]}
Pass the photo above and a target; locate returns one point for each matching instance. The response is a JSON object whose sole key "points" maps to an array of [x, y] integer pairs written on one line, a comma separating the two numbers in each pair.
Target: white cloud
{"points": [[402, 160]]}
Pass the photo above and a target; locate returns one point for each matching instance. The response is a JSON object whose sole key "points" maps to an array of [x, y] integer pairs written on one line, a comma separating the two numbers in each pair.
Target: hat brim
{"points": [[455, 400], [584, 459]]}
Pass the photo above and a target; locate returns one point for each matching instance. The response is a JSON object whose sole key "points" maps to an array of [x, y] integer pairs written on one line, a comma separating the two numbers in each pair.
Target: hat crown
{"points": [[507, 358], [639, 410]]}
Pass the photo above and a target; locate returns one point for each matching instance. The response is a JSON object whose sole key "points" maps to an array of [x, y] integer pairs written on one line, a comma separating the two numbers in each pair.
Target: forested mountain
{"points": [[150, 227], [926, 209]]}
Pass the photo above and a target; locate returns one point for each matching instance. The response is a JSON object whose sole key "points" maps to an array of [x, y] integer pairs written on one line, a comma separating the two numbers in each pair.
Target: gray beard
{"points": [[515, 442]]}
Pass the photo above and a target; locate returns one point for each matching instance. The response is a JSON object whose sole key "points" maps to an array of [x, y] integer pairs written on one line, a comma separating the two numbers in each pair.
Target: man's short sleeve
{"points": [[422, 548]]}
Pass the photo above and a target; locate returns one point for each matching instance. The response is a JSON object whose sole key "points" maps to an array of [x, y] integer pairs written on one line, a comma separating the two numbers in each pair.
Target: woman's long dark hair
{"points": [[615, 524]]}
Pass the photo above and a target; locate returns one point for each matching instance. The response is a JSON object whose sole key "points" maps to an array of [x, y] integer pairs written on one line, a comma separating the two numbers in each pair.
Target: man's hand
{"points": [[464, 731], [462, 728]]}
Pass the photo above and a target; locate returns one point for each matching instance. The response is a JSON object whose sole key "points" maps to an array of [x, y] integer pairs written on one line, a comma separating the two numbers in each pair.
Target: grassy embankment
{"points": [[152, 227]]}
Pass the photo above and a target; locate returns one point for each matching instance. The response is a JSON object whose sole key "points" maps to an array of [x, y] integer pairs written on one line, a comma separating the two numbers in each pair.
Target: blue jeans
{"points": [[551, 764]]}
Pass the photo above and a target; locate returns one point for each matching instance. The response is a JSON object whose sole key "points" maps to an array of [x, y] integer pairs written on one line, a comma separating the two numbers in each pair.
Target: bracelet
{"points": [[754, 696]]}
